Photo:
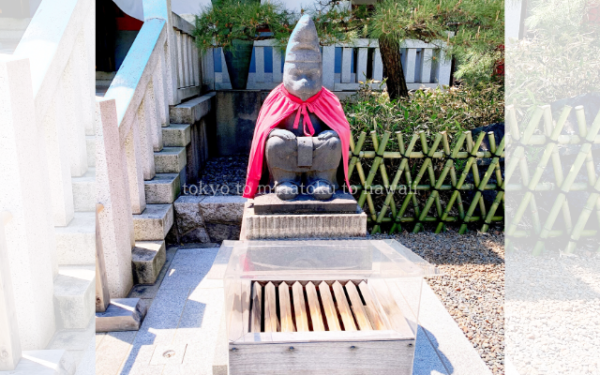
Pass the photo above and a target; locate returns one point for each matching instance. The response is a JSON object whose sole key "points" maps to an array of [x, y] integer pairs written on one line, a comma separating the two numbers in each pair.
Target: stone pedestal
{"points": [[268, 217], [270, 204]]}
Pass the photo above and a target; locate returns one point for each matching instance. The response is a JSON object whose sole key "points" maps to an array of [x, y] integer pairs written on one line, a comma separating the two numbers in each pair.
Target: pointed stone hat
{"points": [[304, 42]]}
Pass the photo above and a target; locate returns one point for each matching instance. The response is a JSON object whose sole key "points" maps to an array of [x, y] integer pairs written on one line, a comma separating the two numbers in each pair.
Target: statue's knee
{"points": [[328, 134], [282, 134], [327, 143], [280, 143]]}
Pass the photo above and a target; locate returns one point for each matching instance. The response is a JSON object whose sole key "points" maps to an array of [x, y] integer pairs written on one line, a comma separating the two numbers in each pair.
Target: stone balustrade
{"points": [[160, 70], [10, 343]]}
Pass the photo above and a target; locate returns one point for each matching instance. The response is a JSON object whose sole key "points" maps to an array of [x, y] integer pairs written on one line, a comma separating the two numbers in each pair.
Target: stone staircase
{"points": [[171, 162], [74, 287]]}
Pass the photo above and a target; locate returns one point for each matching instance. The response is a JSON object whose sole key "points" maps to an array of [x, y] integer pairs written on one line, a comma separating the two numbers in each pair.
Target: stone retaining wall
{"points": [[203, 219]]}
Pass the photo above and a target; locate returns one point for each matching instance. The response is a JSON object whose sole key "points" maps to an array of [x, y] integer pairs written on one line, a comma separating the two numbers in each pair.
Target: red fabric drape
{"points": [[277, 107]]}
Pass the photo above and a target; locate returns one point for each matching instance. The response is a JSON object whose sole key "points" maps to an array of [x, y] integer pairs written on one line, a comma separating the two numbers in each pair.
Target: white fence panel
{"points": [[424, 66]]}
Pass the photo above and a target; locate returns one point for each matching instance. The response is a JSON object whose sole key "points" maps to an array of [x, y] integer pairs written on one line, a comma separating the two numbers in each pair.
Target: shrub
{"points": [[454, 109]]}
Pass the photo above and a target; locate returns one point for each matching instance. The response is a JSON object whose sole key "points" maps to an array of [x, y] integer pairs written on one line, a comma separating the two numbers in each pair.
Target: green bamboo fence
{"points": [[542, 136], [433, 170]]}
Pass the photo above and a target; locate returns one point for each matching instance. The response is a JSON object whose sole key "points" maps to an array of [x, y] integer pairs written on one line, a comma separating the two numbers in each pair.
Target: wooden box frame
{"points": [[384, 351]]}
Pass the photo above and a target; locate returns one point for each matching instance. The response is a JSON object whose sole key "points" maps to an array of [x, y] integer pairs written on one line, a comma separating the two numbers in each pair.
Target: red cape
{"points": [[277, 107]]}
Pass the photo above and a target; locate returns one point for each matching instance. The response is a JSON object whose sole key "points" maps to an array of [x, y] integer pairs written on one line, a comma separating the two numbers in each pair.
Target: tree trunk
{"points": [[391, 58]]}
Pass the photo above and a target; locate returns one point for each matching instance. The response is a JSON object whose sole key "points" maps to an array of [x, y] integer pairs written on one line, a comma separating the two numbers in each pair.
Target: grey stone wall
{"points": [[236, 116], [204, 219]]}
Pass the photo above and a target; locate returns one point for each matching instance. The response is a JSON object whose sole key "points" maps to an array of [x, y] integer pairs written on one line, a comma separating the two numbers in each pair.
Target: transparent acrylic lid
{"points": [[345, 290], [324, 260]]}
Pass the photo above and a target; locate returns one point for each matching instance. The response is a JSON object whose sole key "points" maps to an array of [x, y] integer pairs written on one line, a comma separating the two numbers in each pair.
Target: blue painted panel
{"points": [[338, 60], [268, 59]]}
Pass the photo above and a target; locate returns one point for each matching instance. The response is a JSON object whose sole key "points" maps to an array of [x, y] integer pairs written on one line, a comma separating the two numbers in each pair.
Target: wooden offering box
{"points": [[322, 307]]}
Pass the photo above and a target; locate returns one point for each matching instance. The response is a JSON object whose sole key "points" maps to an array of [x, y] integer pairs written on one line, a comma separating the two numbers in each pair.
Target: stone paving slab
{"points": [[186, 318]]}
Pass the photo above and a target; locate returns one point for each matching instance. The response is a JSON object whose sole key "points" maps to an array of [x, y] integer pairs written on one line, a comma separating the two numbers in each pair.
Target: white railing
{"points": [[10, 344], [424, 66], [60, 49], [130, 119], [188, 66], [46, 113]]}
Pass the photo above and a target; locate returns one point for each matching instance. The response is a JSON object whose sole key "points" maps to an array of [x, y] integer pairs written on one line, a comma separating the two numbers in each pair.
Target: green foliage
{"points": [[559, 57], [477, 27], [454, 110], [227, 20]]}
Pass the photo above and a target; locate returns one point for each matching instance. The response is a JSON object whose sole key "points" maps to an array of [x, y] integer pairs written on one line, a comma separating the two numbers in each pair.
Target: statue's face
{"points": [[303, 79]]}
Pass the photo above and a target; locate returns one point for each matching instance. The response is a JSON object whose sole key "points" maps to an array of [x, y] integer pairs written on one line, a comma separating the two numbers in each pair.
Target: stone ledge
{"points": [[154, 223], [224, 210], [177, 135], [42, 362], [202, 219], [75, 243], [192, 110], [147, 259], [170, 160], [270, 204], [74, 290], [163, 188], [123, 314]]}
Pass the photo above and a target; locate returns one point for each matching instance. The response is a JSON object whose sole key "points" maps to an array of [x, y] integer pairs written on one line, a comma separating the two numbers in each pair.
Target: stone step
{"points": [[74, 296], [43, 362], [177, 135], [154, 223], [163, 188], [192, 110], [75, 243], [90, 146], [170, 160], [84, 191], [148, 258]]}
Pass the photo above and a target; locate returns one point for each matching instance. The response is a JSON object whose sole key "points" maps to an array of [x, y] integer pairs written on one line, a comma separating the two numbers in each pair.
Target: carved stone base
{"points": [[123, 314], [340, 203], [324, 225]]}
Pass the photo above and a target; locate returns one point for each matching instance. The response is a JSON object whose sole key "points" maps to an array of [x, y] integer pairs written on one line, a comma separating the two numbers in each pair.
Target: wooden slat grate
{"points": [[315, 306]]}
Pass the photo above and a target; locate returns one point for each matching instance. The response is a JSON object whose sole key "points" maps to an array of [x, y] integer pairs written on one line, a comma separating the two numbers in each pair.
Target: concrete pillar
{"points": [[72, 82], [24, 192], [160, 91], [58, 162], [161, 9], [153, 122], [132, 154], [10, 344], [115, 220], [143, 123]]}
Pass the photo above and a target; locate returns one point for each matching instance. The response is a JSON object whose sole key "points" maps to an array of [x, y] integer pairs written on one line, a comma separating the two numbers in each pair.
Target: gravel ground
{"points": [[224, 176], [553, 312], [472, 288]]}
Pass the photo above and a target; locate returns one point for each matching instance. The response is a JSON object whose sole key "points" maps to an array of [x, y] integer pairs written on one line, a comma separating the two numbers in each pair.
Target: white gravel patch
{"points": [[553, 313], [472, 288]]}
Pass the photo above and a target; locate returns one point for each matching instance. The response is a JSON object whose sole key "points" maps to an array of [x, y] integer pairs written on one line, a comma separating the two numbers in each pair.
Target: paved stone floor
{"points": [[179, 333]]}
